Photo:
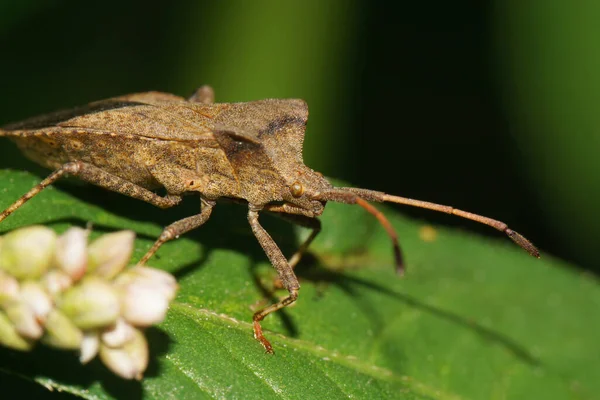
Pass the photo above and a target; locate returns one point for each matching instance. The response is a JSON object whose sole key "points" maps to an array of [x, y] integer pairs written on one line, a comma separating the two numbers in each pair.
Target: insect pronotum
{"points": [[247, 152]]}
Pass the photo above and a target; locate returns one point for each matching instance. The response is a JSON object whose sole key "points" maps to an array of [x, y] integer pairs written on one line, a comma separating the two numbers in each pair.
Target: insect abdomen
{"points": [[129, 157]]}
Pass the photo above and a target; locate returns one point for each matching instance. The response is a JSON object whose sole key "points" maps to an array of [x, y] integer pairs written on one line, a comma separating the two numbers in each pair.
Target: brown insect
{"points": [[247, 152]]}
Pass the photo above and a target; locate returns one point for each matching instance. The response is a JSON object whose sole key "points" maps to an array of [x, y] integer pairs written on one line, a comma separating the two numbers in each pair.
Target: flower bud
{"points": [[109, 254], [9, 288], [26, 253], [36, 298], [56, 282], [129, 361], [118, 334], [9, 336], [89, 347], [91, 304], [61, 332], [145, 294], [23, 319], [142, 306], [162, 281], [71, 252]]}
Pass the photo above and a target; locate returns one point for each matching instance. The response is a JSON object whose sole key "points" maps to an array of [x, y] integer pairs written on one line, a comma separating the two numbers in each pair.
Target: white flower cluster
{"points": [[70, 295]]}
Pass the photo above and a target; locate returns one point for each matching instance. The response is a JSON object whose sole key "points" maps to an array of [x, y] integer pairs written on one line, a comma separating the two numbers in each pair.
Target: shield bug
{"points": [[248, 152]]}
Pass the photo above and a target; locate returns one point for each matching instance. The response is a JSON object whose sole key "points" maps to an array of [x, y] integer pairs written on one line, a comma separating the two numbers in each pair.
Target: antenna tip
{"points": [[400, 268], [524, 243]]}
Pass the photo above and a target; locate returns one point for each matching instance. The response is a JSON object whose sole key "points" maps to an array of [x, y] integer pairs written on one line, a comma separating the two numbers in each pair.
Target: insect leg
{"points": [[286, 274], [305, 221], [97, 177], [35, 190], [311, 223], [180, 227], [204, 94]]}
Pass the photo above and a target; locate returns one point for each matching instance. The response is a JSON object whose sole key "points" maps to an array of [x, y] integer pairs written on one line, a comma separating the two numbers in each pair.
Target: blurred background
{"points": [[489, 106]]}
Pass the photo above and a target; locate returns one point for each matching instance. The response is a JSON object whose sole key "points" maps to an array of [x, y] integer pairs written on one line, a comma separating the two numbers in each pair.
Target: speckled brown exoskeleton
{"points": [[248, 152]]}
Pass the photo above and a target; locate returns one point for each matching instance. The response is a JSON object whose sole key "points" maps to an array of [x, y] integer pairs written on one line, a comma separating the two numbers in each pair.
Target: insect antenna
{"points": [[345, 196], [516, 237]]}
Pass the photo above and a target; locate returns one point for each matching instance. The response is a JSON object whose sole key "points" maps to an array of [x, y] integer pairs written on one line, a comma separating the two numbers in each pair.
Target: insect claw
{"points": [[258, 335]]}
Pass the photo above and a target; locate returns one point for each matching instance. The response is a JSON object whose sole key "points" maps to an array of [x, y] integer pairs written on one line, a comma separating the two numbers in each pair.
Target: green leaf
{"points": [[473, 318]]}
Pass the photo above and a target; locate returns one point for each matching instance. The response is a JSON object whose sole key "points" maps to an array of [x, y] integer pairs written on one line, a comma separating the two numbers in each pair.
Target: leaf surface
{"points": [[473, 318]]}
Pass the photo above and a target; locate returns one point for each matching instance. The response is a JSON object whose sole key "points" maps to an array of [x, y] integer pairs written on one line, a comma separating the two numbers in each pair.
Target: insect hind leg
{"points": [[69, 168], [98, 177]]}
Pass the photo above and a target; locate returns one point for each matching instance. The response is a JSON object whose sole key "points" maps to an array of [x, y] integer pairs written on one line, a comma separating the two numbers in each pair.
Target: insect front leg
{"points": [[297, 217], [98, 177], [180, 227], [286, 274]]}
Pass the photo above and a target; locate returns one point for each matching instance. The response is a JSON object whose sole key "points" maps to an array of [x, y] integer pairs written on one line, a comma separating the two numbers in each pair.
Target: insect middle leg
{"points": [[180, 227], [286, 274], [98, 177]]}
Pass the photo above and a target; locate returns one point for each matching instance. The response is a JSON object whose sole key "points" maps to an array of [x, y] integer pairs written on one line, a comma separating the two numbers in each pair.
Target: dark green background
{"points": [[487, 106]]}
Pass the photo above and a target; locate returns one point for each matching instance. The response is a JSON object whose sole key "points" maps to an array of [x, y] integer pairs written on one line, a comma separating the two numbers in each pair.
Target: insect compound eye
{"points": [[297, 189]]}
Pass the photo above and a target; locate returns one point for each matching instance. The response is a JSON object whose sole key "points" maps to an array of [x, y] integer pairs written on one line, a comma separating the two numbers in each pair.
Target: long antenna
{"points": [[499, 225], [390, 231], [348, 197]]}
